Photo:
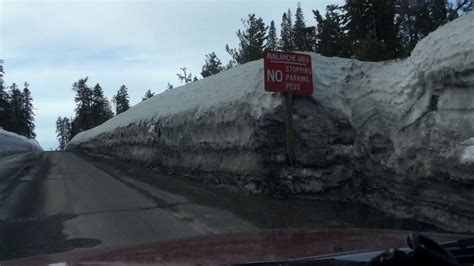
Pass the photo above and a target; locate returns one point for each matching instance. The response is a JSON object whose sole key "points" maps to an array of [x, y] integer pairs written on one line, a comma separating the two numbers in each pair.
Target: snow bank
{"points": [[188, 123], [11, 142], [389, 134], [242, 84]]}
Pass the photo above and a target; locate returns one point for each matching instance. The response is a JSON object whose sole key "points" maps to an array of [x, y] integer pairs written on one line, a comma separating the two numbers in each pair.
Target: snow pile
{"points": [[467, 155], [11, 142], [387, 134], [436, 81], [209, 124]]}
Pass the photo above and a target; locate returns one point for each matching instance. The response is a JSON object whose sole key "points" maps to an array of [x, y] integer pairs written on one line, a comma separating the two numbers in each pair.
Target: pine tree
{"points": [[212, 65], [83, 99], [149, 94], [371, 29], [67, 126], [252, 41], [310, 36], [405, 23], [101, 110], [2, 72], [4, 107], [386, 32], [60, 133], [299, 32], [438, 13], [27, 113], [416, 19], [121, 100], [286, 36], [463, 5], [4, 103], [185, 77], [92, 107], [74, 128], [16, 122], [332, 39], [63, 131], [272, 39]]}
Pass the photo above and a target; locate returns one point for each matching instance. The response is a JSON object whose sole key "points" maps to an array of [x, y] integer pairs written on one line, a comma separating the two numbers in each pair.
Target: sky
{"points": [[141, 44]]}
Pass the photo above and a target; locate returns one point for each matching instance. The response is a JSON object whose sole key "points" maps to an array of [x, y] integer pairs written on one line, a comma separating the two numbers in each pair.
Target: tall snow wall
{"points": [[397, 135]]}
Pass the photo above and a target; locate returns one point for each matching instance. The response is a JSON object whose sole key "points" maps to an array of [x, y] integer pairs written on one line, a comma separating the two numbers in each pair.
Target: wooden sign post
{"points": [[290, 147]]}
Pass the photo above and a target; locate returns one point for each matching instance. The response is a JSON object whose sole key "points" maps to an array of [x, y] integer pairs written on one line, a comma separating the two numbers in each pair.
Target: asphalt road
{"points": [[58, 201]]}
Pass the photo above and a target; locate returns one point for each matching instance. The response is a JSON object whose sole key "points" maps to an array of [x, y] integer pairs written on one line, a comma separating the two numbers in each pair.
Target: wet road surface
{"points": [[61, 201]]}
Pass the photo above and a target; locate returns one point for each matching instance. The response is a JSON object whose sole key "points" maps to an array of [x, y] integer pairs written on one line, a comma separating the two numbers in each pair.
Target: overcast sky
{"points": [[142, 44]]}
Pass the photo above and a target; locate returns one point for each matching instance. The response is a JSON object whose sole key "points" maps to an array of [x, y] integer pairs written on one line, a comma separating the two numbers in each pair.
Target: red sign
{"points": [[288, 72]]}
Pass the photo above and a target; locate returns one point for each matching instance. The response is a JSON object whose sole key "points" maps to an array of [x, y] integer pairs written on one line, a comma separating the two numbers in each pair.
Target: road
{"points": [[59, 201]]}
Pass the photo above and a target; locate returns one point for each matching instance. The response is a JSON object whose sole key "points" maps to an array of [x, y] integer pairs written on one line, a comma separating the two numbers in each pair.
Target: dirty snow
{"points": [[242, 84], [468, 155]]}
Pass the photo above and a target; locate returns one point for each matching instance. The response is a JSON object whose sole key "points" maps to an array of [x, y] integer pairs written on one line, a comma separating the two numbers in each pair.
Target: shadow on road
{"points": [[30, 237]]}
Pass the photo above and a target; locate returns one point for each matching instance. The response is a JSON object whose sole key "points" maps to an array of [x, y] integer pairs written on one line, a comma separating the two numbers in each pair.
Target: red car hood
{"points": [[237, 248]]}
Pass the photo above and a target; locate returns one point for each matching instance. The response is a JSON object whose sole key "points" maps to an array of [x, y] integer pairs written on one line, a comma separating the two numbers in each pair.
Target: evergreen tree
{"points": [[332, 39], [16, 121], [149, 94], [60, 133], [121, 100], [92, 107], [84, 100], [27, 113], [74, 127], [385, 31], [463, 5], [438, 13], [185, 77], [252, 41], [272, 39], [300, 32], [16, 109], [63, 131], [416, 19], [4, 107], [371, 29], [405, 22], [101, 110], [310, 38], [67, 125], [286, 35], [4, 103], [2, 72], [212, 65]]}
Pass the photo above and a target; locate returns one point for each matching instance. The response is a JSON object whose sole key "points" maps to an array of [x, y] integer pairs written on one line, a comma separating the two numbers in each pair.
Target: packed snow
{"points": [[11, 142], [240, 85]]}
